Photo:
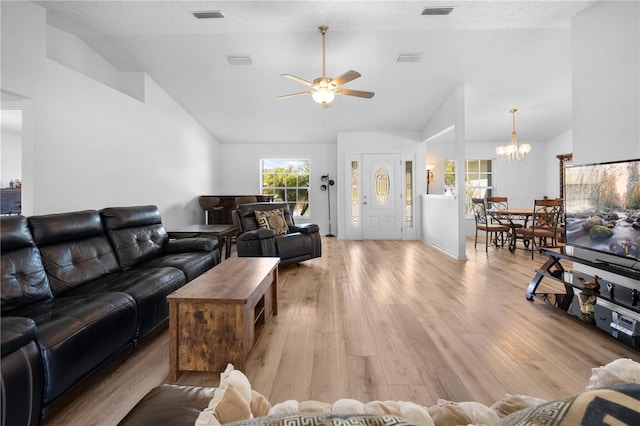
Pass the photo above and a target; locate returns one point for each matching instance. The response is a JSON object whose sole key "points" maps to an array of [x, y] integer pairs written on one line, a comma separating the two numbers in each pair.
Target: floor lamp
{"points": [[326, 186]]}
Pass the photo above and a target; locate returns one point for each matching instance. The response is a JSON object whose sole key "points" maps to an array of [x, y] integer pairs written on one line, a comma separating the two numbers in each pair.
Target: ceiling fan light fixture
{"points": [[325, 88], [323, 96]]}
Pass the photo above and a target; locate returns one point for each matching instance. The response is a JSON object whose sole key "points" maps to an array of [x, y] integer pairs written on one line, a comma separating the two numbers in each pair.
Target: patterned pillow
{"points": [[308, 419], [272, 219], [613, 405]]}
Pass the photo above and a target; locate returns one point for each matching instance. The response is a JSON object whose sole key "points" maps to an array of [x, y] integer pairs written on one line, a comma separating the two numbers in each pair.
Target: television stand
{"points": [[617, 306]]}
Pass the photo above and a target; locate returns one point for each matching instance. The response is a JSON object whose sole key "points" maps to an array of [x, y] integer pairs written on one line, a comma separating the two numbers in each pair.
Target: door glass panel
{"points": [[382, 185], [355, 206], [408, 197]]}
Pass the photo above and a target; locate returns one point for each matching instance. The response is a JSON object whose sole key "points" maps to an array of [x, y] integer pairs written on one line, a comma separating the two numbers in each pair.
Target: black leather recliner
{"points": [[299, 243]]}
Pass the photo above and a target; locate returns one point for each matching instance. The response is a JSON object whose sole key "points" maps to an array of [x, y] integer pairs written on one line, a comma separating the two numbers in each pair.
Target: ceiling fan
{"points": [[325, 88]]}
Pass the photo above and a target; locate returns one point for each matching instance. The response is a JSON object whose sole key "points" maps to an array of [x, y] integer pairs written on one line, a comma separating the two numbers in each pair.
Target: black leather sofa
{"points": [[80, 289], [296, 244]]}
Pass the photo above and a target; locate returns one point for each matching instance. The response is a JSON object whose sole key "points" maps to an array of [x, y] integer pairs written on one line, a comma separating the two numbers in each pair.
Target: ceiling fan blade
{"points": [[358, 93], [345, 78], [294, 94], [298, 79]]}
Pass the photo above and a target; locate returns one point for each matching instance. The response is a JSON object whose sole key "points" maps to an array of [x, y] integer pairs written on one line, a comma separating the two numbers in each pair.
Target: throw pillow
{"points": [[622, 370], [232, 407], [233, 400], [614, 405], [448, 413], [308, 419], [512, 403], [272, 219]]}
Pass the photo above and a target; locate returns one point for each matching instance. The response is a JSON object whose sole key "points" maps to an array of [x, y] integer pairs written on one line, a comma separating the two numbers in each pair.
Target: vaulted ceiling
{"points": [[507, 54]]}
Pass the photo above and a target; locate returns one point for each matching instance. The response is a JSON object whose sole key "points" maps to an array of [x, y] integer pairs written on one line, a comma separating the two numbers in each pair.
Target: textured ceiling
{"points": [[506, 54]]}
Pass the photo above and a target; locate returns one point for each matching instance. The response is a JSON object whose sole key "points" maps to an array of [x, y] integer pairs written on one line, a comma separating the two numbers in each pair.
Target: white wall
{"points": [[521, 181], [88, 146], [450, 239], [606, 82], [239, 173]]}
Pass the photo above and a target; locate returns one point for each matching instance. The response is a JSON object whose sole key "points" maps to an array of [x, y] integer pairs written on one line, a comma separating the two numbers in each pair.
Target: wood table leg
{"points": [[228, 246], [173, 342]]}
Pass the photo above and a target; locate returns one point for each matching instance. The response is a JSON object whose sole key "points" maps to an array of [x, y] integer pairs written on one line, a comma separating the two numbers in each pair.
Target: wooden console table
{"points": [[217, 318]]}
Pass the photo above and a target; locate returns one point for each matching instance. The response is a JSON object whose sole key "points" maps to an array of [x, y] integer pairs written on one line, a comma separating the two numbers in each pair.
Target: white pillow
{"points": [[622, 370]]}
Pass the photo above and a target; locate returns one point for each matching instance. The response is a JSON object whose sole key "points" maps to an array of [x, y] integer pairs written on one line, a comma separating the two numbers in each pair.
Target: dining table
{"points": [[514, 218]]}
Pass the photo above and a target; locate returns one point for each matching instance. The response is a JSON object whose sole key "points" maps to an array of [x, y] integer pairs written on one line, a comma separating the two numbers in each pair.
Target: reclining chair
{"points": [[268, 230]]}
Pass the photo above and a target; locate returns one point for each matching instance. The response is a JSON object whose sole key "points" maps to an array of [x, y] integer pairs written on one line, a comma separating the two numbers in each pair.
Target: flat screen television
{"points": [[602, 209]]}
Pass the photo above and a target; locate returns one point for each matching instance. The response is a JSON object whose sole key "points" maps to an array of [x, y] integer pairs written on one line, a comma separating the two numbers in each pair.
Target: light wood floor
{"points": [[388, 320]]}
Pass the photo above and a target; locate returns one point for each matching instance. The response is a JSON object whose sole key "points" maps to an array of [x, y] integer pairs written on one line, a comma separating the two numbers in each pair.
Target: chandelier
{"points": [[512, 151]]}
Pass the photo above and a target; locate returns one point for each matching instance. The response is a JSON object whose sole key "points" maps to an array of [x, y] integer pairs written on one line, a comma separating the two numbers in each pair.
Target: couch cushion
{"points": [[272, 219], [294, 245], [191, 264], [137, 233], [169, 405], [78, 334], [74, 248], [23, 278], [148, 287]]}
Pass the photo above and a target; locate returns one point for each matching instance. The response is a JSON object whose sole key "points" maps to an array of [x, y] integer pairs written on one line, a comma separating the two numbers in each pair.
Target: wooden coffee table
{"points": [[217, 318], [224, 233]]}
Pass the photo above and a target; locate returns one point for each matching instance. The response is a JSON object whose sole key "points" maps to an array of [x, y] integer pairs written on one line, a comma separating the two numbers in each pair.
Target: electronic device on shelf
{"points": [[602, 211]]}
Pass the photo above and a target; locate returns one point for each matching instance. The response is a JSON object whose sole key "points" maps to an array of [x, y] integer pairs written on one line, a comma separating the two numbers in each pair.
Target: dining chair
{"points": [[547, 214], [482, 224], [499, 208], [212, 207], [248, 199]]}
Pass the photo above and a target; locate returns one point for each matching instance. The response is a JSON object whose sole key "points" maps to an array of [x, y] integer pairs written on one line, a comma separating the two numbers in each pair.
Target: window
{"points": [[408, 194], [478, 179], [288, 181]]}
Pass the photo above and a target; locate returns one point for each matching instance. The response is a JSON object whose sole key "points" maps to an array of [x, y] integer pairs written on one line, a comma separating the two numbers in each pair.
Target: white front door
{"points": [[381, 196]]}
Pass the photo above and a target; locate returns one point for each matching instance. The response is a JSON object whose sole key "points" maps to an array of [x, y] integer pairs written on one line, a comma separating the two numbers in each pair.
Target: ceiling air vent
{"points": [[208, 14], [239, 60], [437, 11], [409, 57]]}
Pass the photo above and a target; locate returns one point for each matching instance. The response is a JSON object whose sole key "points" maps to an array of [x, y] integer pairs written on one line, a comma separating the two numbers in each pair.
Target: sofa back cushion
{"points": [[73, 247], [137, 233], [247, 216], [24, 279]]}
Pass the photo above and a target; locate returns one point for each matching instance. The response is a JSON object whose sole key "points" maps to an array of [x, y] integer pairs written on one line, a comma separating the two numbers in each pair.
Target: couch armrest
{"points": [[16, 332], [186, 245], [305, 228], [256, 234]]}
